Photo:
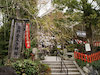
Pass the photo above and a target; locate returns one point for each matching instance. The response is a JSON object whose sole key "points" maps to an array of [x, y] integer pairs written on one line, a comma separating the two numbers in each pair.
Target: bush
{"points": [[1, 63], [44, 69], [96, 64], [53, 51], [81, 63], [4, 39], [70, 47], [81, 48], [34, 43], [28, 67], [27, 53]]}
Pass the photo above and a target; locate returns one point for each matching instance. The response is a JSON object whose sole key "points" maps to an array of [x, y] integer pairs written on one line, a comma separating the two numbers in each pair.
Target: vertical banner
{"points": [[27, 36], [17, 40]]}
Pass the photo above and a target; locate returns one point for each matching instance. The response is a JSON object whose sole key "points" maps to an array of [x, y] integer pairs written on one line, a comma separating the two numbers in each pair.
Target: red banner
{"points": [[27, 36]]}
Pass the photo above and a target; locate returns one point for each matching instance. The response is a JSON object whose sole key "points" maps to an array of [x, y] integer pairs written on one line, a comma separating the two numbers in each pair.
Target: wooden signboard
{"points": [[87, 47], [81, 33], [17, 40]]}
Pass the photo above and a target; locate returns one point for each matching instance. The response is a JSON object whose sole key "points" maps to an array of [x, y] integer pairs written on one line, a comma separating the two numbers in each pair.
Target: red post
{"points": [[87, 58], [90, 58], [79, 55], [96, 56], [82, 56]]}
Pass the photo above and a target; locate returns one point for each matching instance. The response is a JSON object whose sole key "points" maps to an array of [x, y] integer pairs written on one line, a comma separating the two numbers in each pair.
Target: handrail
{"points": [[62, 62]]}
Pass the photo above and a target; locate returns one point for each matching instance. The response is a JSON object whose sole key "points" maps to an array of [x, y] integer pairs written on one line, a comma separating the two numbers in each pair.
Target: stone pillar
{"points": [[34, 51]]}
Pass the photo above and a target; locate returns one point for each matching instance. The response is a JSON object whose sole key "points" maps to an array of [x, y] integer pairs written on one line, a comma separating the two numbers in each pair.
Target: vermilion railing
{"points": [[87, 58]]}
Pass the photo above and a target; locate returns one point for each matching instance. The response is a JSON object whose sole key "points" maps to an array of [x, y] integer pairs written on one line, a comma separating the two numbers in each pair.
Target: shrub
{"points": [[81, 63], [81, 48], [27, 53], [25, 67], [44, 68], [96, 64], [70, 47], [28, 67], [4, 39]]}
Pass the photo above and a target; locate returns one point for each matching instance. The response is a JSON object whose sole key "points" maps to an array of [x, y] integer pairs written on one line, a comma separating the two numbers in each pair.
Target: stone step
{"points": [[69, 70], [72, 66], [69, 73], [57, 63], [44, 61]]}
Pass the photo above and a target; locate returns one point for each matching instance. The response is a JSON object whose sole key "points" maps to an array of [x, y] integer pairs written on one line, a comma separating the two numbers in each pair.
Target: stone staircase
{"points": [[55, 65]]}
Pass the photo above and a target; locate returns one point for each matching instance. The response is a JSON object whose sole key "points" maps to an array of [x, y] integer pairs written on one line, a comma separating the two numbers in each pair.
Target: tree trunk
{"points": [[89, 34]]}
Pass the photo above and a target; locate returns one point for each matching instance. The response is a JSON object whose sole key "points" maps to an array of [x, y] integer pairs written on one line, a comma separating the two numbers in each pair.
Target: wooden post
{"points": [[11, 38]]}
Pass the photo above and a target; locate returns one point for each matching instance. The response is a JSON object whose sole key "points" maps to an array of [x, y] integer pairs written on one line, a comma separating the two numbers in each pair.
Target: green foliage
{"points": [[81, 48], [54, 51], [44, 69], [10, 7], [1, 63], [80, 62], [4, 39], [89, 16], [27, 53], [34, 43], [72, 4], [71, 47], [96, 64], [29, 67]]}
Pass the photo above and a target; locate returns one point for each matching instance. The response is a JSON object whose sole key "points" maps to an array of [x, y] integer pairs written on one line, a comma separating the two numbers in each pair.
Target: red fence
{"points": [[87, 58], [97, 44]]}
